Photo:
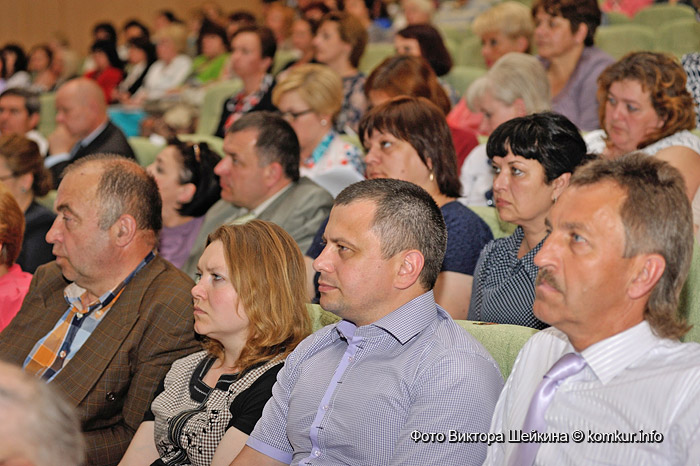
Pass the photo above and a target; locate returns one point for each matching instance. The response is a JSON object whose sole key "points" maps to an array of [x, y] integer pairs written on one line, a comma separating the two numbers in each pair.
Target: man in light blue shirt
{"points": [[393, 380]]}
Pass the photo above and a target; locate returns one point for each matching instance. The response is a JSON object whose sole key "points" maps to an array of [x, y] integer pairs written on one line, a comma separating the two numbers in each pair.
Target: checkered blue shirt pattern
{"points": [[356, 395], [53, 351]]}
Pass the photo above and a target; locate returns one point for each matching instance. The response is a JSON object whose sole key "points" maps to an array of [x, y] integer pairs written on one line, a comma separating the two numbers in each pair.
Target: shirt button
{"points": [[62, 354], [325, 407], [317, 453], [350, 358], [110, 396]]}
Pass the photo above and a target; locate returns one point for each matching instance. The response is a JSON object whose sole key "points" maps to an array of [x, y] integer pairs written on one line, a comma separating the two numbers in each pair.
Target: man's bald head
{"points": [[80, 107]]}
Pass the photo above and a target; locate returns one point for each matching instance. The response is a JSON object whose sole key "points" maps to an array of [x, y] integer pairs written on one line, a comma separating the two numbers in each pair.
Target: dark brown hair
{"points": [[422, 124]]}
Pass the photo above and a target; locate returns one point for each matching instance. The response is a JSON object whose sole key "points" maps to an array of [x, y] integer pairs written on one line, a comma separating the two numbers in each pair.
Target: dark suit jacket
{"points": [[35, 250], [112, 378], [111, 140]]}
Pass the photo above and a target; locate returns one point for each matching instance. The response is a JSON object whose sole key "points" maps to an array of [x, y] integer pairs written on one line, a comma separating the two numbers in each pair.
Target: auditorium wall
{"points": [[30, 22]]}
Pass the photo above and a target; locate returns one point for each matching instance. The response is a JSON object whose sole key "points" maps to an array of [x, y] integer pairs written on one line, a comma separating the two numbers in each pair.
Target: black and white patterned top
{"points": [[354, 103], [691, 64], [191, 417], [504, 286]]}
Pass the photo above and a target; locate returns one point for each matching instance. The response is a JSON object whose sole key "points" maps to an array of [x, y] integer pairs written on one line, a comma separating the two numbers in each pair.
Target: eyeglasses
{"points": [[291, 116]]}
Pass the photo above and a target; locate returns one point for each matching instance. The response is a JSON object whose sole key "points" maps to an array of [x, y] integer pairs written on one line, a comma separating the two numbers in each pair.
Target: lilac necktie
{"points": [[566, 366]]}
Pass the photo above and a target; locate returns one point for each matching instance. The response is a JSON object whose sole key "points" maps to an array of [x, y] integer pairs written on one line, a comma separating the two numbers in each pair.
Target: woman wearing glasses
{"points": [[310, 97]]}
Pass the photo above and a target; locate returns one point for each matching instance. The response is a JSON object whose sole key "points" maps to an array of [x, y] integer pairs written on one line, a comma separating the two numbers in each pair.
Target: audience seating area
{"points": [[502, 341]]}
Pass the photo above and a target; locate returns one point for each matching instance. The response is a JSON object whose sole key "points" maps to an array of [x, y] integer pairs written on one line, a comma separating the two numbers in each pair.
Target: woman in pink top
{"points": [[14, 283]]}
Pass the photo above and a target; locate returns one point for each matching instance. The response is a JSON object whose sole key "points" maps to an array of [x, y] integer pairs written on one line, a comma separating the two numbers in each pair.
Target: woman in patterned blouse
{"points": [[533, 158], [250, 309]]}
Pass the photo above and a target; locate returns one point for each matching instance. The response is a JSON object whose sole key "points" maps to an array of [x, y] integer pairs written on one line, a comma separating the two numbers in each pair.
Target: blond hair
{"points": [[510, 18], [267, 271], [318, 86]]}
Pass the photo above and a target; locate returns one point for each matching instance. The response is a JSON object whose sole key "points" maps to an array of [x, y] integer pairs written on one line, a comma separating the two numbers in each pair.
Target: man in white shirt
{"points": [[19, 114], [611, 270]]}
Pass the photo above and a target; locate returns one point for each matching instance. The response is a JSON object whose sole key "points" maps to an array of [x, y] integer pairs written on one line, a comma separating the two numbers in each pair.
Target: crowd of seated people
{"points": [[168, 295]]}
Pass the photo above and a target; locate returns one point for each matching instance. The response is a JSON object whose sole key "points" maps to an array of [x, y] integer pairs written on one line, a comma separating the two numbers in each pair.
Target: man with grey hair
{"points": [[608, 382], [105, 320], [19, 114], [38, 428], [396, 377]]}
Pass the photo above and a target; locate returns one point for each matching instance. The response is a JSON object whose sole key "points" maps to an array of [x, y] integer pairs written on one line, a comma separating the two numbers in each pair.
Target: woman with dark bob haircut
{"points": [[533, 158], [184, 173], [564, 32], [407, 139], [423, 40], [644, 104]]}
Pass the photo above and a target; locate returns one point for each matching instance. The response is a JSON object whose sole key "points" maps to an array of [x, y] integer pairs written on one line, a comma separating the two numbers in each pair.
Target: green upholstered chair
{"points": [[460, 77], [47, 113], [689, 305], [499, 228], [374, 55], [678, 37], [458, 34], [144, 149], [614, 17], [661, 13], [619, 39], [469, 53], [502, 341], [214, 98], [282, 57], [48, 200], [215, 143]]}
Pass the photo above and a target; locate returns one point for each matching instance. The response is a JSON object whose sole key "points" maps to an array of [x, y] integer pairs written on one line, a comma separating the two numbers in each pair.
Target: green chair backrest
{"points": [[48, 200], [374, 55], [678, 37], [661, 13], [214, 98], [499, 228], [615, 17], [689, 304], [619, 39], [282, 57], [503, 342], [469, 53], [47, 113], [460, 77], [215, 143], [144, 149], [456, 33]]}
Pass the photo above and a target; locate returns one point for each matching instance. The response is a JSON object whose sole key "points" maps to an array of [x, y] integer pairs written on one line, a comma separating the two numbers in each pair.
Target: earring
{"points": [[431, 177], [23, 190], [554, 199], [324, 122]]}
